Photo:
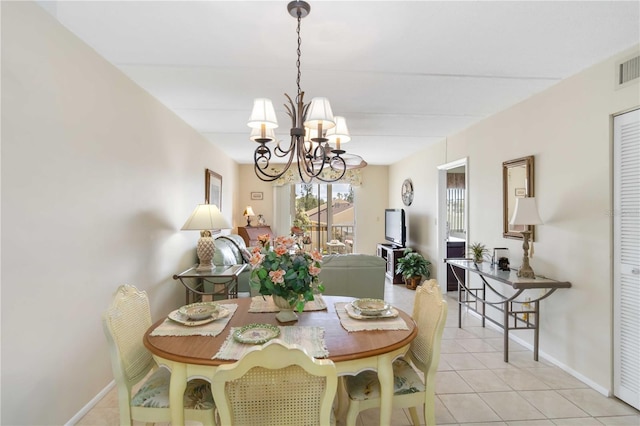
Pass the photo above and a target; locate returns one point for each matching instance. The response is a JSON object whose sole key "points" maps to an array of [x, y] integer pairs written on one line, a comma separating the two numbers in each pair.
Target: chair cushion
{"points": [[366, 385], [154, 392]]}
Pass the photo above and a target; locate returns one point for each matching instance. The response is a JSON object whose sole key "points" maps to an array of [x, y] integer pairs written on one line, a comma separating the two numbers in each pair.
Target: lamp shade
{"points": [[263, 114], [248, 212], [340, 131], [320, 113], [526, 212], [206, 217]]}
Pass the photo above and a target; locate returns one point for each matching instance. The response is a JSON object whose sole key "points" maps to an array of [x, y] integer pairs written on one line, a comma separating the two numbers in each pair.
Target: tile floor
{"points": [[474, 386]]}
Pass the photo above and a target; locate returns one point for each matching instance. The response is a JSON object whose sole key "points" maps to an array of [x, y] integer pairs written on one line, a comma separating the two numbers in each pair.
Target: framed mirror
{"points": [[517, 181]]}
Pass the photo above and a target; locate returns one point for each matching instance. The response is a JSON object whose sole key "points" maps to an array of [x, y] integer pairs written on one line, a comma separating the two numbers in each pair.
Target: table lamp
{"points": [[248, 212], [206, 217], [526, 213]]}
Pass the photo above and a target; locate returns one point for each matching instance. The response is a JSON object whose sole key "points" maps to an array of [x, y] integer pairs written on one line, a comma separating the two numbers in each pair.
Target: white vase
{"points": [[286, 313]]}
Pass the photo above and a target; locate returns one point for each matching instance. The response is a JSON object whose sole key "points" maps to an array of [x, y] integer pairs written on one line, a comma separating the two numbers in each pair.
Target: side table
{"points": [[517, 314], [224, 280]]}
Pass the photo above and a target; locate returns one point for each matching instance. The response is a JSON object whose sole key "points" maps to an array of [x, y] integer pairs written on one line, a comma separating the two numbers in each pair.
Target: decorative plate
{"points": [[355, 314], [199, 311], [185, 320], [371, 307], [256, 334]]}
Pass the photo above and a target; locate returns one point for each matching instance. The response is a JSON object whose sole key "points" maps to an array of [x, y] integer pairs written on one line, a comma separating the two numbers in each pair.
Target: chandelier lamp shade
{"points": [[313, 129], [526, 213], [205, 218]]}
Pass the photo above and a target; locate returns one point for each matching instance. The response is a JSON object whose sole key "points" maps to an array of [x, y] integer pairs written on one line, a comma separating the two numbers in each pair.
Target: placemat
{"points": [[310, 338], [172, 328], [351, 324], [265, 304]]}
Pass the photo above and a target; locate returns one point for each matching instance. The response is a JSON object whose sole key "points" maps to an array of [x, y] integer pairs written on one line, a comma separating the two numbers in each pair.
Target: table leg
{"points": [[506, 331], [536, 308], [385, 376], [176, 393]]}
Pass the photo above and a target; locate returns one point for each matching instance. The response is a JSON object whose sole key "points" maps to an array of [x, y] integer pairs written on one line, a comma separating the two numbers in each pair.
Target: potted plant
{"points": [[413, 266], [478, 251]]}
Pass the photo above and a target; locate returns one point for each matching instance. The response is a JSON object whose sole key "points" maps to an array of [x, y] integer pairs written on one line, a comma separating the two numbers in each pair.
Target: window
{"points": [[325, 214], [455, 203]]}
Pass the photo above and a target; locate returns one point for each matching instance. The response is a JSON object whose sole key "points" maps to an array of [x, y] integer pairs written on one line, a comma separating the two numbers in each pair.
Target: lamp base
{"points": [[525, 270], [526, 273], [206, 248]]}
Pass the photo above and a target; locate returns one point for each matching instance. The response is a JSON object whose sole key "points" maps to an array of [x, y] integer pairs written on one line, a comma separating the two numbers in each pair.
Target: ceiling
{"points": [[404, 74]]}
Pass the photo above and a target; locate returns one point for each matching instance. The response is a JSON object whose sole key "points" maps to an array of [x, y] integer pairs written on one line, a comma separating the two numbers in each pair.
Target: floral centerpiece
{"points": [[286, 271]]}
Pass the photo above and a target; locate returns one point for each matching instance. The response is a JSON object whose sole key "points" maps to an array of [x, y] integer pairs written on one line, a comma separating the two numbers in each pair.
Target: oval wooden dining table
{"points": [[351, 352]]}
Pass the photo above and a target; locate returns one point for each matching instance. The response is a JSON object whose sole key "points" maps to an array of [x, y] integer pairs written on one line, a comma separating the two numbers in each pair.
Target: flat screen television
{"points": [[395, 230]]}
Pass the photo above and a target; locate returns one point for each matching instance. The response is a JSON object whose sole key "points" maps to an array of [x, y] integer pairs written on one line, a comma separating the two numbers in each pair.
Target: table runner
{"points": [[310, 338], [172, 328], [351, 324], [265, 304]]}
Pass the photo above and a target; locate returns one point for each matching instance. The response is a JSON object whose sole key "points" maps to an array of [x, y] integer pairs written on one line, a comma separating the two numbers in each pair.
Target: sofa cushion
{"points": [[353, 260], [353, 275]]}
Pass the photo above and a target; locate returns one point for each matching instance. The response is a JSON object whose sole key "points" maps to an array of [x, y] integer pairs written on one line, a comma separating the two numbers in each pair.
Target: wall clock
{"points": [[407, 192]]}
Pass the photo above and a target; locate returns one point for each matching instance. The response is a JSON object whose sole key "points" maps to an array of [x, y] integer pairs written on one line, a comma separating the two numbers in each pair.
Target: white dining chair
{"points": [[410, 391], [275, 384], [125, 322]]}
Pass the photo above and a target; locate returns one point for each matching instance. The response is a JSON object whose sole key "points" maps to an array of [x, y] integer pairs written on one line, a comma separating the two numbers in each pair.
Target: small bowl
{"points": [[199, 311], [371, 307]]}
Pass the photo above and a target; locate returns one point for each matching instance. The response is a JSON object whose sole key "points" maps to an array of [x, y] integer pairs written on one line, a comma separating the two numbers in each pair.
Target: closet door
{"points": [[626, 247]]}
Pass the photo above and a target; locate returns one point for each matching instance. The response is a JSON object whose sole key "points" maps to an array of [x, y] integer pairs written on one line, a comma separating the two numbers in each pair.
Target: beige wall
{"points": [[568, 129], [97, 179]]}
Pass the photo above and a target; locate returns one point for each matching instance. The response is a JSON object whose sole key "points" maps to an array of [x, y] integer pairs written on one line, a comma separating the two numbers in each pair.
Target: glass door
{"points": [[325, 216]]}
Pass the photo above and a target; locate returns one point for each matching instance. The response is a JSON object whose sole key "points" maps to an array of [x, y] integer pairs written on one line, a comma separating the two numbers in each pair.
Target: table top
{"points": [[508, 277], [225, 271], [342, 345]]}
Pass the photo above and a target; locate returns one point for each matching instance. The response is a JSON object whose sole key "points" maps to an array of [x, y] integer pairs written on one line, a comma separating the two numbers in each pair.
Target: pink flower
{"points": [[256, 259], [316, 255], [256, 250], [280, 250], [277, 277], [314, 270]]}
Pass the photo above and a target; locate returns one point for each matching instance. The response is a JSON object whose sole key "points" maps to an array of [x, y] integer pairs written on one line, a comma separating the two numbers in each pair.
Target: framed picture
{"points": [[257, 195], [213, 188], [520, 192]]}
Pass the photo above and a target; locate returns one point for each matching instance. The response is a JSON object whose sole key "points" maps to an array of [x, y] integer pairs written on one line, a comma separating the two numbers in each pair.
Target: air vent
{"points": [[627, 71]]}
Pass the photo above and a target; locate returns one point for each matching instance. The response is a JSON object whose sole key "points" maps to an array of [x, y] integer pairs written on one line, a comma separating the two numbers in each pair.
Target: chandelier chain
{"points": [[299, 52]]}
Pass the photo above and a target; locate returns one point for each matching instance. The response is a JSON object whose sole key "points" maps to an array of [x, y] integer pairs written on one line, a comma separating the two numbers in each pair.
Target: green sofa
{"points": [[353, 275]]}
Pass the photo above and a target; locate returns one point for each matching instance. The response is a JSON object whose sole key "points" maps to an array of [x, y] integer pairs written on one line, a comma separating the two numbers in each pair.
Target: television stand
{"points": [[391, 253]]}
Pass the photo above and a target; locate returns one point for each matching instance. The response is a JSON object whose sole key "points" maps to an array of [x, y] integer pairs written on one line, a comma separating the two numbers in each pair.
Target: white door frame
{"points": [[442, 215]]}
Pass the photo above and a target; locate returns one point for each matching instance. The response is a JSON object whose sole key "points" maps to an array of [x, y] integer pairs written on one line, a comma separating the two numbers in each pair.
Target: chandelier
{"points": [[313, 129]]}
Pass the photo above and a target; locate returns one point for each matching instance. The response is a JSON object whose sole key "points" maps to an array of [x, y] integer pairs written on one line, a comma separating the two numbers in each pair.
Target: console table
{"points": [[224, 280], [525, 315]]}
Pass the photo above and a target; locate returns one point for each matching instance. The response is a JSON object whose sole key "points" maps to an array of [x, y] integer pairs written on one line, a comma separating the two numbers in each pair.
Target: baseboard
{"points": [[593, 385], [83, 412]]}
